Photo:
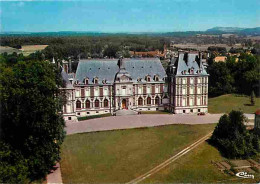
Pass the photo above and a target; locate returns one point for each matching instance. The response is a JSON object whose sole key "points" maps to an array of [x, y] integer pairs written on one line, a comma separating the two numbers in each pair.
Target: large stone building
{"points": [[107, 85]]}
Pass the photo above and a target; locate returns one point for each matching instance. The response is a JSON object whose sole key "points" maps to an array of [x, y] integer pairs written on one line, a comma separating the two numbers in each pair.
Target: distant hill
{"points": [[225, 29], [237, 30], [215, 30]]}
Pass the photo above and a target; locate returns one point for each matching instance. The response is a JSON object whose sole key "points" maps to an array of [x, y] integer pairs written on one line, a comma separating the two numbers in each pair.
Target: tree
{"points": [[32, 121], [13, 167], [231, 137], [252, 98]]}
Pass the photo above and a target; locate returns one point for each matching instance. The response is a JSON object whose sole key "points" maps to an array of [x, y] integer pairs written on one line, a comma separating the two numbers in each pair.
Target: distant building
{"points": [[106, 85], [220, 59], [155, 53]]}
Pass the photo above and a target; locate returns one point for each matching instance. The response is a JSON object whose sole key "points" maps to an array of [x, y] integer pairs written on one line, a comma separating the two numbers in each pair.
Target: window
{"points": [[87, 104], [156, 78], [148, 79], [149, 101], [184, 111], [69, 118], [198, 110], [140, 101], [78, 104], [86, 81], [191, 110], [191, 81], [105, 103], [96, 103], [95, 81], [157, 100]]}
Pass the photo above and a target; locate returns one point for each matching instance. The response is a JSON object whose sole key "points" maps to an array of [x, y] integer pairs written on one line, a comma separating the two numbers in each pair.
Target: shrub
{"points": [[232, 139]]}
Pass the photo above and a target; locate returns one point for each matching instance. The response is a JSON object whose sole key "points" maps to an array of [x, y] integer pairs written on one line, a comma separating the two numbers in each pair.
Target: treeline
{"points": [[86, 46], [241, 76], [32, 127]]}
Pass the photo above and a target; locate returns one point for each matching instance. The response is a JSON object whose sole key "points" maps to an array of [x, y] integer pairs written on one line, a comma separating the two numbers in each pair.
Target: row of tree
{"points": [[233, 76], [32, 126], [87, 46]]}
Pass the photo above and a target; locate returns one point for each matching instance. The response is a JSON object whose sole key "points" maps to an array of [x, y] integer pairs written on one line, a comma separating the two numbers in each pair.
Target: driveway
{"points": [[137, 121]]}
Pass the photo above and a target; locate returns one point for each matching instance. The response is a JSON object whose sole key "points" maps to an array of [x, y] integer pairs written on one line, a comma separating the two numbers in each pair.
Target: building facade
{"points": [[188, 84], [107, 85]]}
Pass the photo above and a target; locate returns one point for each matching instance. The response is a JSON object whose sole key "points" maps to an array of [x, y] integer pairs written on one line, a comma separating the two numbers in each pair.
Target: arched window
{"points": [[156, 78], [157, 100], [87, 104], [96, 103], [149, 101], [78, 104], [105, 103], [148, 78], [86, 80], [95, 80], [140, 101]]}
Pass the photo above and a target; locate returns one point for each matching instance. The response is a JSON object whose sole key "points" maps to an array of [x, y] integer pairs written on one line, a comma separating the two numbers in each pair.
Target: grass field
{"points": [[9, 50], [26, 49], [122, 155], [196, 167], [226, 103]]}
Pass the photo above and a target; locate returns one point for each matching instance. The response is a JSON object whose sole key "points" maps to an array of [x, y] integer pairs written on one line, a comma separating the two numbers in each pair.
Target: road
{"points": [[137, 121]]}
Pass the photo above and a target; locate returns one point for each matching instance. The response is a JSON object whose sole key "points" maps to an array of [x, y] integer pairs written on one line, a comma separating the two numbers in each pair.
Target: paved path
{"points": [[55, 176], [170, 160], [137, 121]]}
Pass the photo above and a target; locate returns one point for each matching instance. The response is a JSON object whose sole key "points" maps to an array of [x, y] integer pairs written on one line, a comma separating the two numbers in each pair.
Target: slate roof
{"points": [[184, 65], [106, 69], [65, 77]]}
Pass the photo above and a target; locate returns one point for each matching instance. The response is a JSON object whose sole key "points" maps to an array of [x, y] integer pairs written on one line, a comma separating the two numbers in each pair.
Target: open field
{"points": [[9, 50], [26, 49], [196, 167], [120, 156], [226, 103]]}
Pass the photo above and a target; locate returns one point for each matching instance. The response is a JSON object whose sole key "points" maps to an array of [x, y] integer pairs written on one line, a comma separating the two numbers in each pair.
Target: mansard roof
{"points": [[188, 62], [65, 78], [108, 68]]}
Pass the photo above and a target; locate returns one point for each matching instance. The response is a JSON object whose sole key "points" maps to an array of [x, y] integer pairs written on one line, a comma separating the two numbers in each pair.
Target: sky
{"points": [[127, 15]]}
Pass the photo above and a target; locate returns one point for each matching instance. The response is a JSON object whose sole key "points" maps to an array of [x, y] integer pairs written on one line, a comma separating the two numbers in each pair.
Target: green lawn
{"points": [[122, 155], [196, 167], [226, 103]]}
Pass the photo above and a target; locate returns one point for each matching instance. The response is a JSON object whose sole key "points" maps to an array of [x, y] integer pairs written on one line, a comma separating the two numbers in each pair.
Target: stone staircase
{"points": [[124, 112]]}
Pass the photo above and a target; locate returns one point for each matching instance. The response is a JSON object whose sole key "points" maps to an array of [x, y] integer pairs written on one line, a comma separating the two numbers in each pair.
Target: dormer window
{"points": [[148, 79], [139, 79], [156, 78], [86, 81], [95, 80], [104, 81], [76, 82]]}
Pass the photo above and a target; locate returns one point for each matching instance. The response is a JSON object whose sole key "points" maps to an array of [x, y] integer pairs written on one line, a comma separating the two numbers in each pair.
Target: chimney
{"points": [[200, 57]]}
